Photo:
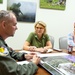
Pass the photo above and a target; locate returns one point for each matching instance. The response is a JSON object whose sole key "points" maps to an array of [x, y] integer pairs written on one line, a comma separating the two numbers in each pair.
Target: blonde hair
{"points": [[42, 24]]}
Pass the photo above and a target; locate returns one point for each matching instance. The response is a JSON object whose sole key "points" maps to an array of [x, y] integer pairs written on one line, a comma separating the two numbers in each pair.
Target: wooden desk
{"points": [[42, 71]]}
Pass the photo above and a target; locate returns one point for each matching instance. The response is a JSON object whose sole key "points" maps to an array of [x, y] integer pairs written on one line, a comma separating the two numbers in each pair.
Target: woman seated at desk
{"points": [[71, 39], [38, 41]]}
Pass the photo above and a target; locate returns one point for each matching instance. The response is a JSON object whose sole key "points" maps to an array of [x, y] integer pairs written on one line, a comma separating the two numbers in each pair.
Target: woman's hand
{"points": [[42, 50], [32, 48]]}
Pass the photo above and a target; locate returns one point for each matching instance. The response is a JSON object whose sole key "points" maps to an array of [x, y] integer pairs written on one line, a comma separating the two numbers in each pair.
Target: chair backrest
{"points": [[52, 40], [63, 42]]}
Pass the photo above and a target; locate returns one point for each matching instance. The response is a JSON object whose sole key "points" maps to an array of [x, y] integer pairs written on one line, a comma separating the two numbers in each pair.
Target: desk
{"points": [[42, 71]]}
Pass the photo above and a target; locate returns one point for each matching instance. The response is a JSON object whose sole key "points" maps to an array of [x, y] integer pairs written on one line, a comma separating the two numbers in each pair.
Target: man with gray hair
{"points": [[8, 57]]}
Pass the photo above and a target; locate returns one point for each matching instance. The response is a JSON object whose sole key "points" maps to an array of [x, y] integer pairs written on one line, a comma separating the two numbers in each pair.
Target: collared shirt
{"points": [[34, 40], [71, 39]]}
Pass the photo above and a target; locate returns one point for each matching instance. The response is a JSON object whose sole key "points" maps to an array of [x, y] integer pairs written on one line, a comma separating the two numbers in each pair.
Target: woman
{"points": [[71, 39], [38, 41]]}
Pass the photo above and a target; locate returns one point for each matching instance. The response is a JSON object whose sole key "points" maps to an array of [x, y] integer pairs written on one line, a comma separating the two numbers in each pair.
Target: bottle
{"points": [[70, 49]]}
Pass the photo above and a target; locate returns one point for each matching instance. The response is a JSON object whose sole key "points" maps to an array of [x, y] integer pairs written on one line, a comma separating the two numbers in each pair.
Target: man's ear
{"points": [[3, 24]]}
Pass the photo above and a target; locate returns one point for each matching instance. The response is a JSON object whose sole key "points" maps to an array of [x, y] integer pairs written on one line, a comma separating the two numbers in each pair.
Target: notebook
{"points": [[59, 65]]}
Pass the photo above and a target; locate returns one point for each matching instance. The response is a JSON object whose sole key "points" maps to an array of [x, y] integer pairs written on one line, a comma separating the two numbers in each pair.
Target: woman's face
{"points": [[39, 29]]}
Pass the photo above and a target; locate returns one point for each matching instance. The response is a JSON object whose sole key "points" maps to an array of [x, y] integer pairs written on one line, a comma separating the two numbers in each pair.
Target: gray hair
{"points": [[5, 15]]}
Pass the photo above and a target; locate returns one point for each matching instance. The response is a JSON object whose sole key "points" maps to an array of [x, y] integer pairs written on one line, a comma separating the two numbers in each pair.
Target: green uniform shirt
{"points": [[9, 66], [34, 41]]}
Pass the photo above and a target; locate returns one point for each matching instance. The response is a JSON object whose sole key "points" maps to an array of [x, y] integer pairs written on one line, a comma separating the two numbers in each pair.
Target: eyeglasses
{"points": [[39, 28]]}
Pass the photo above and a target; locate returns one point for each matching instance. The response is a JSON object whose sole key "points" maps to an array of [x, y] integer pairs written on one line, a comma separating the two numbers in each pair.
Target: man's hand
{"points": [[32, 57], [36, 59], [29, 56], [41, 50]]}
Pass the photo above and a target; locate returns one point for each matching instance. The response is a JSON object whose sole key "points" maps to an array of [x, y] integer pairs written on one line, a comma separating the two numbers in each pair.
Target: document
{"points": [[23, 51], [45, 54], [52, 54], [49, 50], [22, 62]]}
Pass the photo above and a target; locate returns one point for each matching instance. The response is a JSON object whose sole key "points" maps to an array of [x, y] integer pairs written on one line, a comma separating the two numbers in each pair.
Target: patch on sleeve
{"points": [[1, 49]]}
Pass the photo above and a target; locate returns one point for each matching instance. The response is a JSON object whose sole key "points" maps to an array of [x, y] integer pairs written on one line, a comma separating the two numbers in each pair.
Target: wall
{"points": [[59, 23]]}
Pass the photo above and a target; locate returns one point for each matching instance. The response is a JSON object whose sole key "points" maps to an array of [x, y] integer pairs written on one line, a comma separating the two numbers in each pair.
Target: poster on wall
{"points": [[53, 4], [25, 11], [1, 1]]}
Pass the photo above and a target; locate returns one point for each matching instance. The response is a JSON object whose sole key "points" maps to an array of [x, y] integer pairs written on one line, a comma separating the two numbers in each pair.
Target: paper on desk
{"points": [[23, 51], [22, 62], [52, 54], [46, 55]]}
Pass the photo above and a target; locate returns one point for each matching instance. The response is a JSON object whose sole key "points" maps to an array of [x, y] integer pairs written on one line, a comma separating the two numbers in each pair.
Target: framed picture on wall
{"points": [[53, 4], [1, 1], [25, 11]]}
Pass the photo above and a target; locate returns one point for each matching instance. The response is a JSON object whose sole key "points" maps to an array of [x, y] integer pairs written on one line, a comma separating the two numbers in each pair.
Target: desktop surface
{"points": [[42, 70], [53, 64]]}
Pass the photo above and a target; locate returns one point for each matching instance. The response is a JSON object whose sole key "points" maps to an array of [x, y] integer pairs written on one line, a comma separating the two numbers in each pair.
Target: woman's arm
{"points": [[28, 47], [45, 48], [70, 39]]}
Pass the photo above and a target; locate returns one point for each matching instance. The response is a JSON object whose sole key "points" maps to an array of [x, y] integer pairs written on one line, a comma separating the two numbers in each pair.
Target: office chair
{"points": [[63, 42], [52, 40]]}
